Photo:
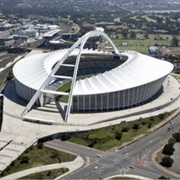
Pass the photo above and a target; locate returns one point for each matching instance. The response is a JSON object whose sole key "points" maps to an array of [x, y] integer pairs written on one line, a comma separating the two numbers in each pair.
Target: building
{"points": [[100, 81]]}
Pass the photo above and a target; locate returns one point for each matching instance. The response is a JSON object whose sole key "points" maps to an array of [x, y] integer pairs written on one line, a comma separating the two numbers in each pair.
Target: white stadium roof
{"points": [[139, 69]]}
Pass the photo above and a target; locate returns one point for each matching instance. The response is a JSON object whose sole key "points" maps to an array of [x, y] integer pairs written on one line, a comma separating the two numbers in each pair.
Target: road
{"points": [[132, 159]]}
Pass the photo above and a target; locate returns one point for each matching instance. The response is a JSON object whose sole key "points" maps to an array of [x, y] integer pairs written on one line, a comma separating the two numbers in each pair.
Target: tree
{"points": [[48, 173], [176, 136], [161, 116], [118, 135], [65, 137], [54, 155], [24, 159], [168, 149], [146, 36], [175, 41], [124, 34], [172, 141], [132, 35], [167, 161], [124, 129], [149, 125], [163, 177], [135, 126], [10, 76], [92, 143]]}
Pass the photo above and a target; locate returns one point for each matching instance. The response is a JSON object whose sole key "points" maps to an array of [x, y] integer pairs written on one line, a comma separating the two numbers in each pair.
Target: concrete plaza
{"points": [[18, 134]]}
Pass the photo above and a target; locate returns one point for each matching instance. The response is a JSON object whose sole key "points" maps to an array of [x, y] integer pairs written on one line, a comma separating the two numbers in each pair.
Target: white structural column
{"points": [[81, 42]]}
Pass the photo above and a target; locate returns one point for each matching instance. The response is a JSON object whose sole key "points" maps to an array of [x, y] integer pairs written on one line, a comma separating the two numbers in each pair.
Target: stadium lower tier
{"points": [[118, 100]]}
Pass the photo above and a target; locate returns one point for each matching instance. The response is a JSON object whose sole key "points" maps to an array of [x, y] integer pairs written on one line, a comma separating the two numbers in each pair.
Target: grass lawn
{"points": [[37, 156], [142, 45], [106, 138], [50, 174]]}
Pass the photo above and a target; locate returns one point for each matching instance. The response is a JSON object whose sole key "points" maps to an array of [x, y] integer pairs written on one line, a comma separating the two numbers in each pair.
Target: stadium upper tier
{"points": [[137, 70]]}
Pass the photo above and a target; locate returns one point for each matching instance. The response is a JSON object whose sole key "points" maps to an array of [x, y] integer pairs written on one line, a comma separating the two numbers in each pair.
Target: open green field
{"points": [[141, 45], [109, 137], [35, 156], [51, 174]]}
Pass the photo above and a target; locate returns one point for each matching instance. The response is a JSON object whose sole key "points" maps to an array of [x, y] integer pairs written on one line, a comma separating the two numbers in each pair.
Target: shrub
{"points": [[40, 146], [167, 161], [124, 129], [135, 126], [161, 116]]}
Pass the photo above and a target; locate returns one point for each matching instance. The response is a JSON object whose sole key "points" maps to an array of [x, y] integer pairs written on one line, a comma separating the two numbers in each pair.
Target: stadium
{"points": [[97, 80]]}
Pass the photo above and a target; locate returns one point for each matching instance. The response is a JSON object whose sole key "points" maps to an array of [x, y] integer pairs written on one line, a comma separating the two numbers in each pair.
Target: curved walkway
{"points": [[72, 166]]}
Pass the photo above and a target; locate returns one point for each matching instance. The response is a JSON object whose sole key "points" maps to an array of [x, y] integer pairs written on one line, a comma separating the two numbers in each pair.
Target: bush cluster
{"points": [[168, 150]]}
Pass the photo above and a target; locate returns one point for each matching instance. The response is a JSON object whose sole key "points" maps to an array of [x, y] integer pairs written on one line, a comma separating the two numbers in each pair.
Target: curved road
{"points": [[132, 159]]}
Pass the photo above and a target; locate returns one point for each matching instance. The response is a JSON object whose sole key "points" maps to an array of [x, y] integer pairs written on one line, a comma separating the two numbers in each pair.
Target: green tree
{"points": [[146, 36], [124, 34], [132, 35], [124, 129], [168, 149], [118, 135], [175, 41], [163, 177], [10, 76], [176, 136], [65, 137], [149, 125], [24, 159], [92, 143], [167, 161], [172, 141], [135, 126], [161, 116], [54, 155]]}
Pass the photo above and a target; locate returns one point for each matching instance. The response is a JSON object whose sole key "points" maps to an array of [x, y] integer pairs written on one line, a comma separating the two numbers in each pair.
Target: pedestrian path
{"points": [[72, 166], [11, 146]]}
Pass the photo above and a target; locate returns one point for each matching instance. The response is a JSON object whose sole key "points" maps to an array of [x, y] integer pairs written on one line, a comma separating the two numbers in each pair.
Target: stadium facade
{"points": [[100, 81]]}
